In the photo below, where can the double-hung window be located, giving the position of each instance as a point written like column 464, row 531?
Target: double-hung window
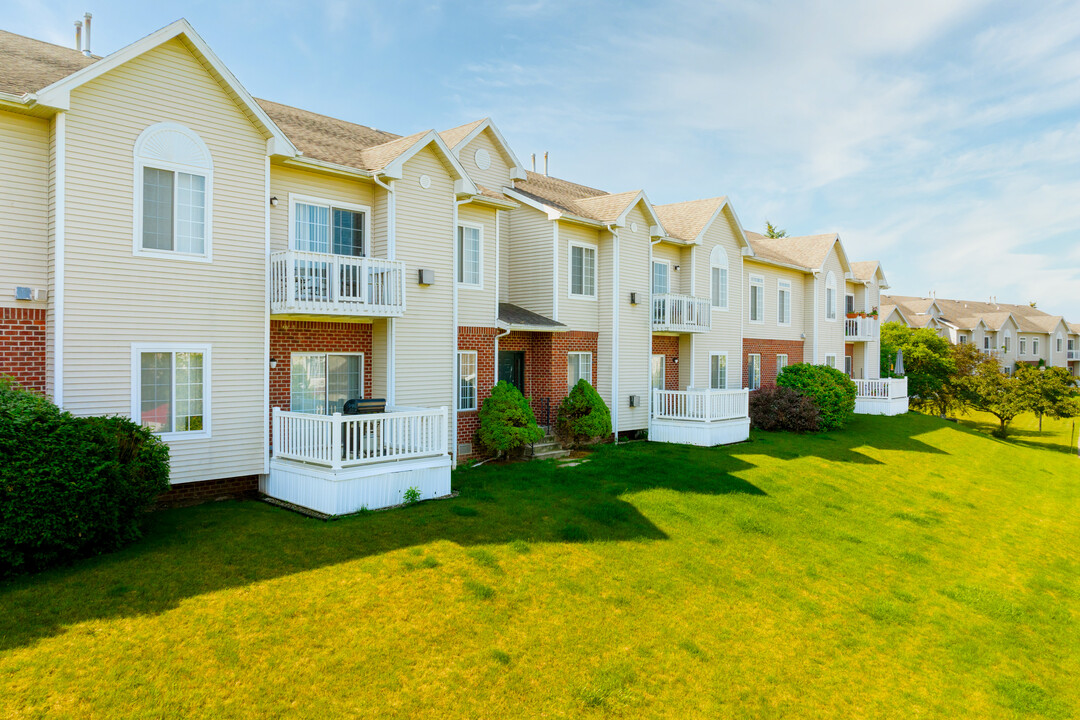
column 1058, row 343
column 320, row 383
column 718, row 268
column 757, row 299
column 753, row 371
column 661, row 281
column 467, row 380
column 781, row 363
column 718, row 371
column 963, row 339
column 1023, row 346
column 470, row 244
column 1034, row 346
column 173, row 193
column 578, row 367
column 783, row 302
column 830, row 297
column 830, row 360
column 582, row 271
column 171, row 386
column 328, row 227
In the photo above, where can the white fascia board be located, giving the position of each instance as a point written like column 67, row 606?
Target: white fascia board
column 310, row 163
column 504, row 146
column 59, row 93
column 642, row 197
column 551, row 212
column 395, row 169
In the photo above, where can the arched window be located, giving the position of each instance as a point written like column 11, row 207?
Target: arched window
column 830, row 296
column 173, row 192
column 718, row 273
column 1059, row 345
column 1008, row 341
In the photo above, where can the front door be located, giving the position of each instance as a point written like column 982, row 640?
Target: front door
column 512, row 368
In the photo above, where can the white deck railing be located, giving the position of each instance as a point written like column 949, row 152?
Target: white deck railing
column 1072, row 354
column 681, row 313
column 310, row 282
column 881, row 389
column 701, row 405
column 338, row 441
column 860, row 328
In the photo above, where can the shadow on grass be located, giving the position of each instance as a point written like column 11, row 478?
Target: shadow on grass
column 848, row 445
column 193, row 551
column 1022, row 437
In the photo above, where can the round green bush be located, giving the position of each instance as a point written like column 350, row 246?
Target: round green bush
column 70, row 486
column 584, row 417
column 781, row 408
column 507, row 422
column 831, row 390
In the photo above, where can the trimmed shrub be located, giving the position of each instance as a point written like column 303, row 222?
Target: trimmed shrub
column 831, row 390
column 507, row 422
column 71, row 487
column 781, row 408
column 584, row 417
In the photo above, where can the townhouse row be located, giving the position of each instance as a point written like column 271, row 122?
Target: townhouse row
column 1011, row 333
column 318, row 308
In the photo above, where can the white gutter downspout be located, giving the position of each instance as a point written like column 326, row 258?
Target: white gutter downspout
column 555, row 280
column 60, row 211
column 266, row 307
column 498, row 279
column 391, row 251
column 615, row 332
column 648, row 404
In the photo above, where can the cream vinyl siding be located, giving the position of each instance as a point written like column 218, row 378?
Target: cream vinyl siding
column 635, row 322
column 578, row 313
column 322, row 186
column 476, row 306
column 380, row 217
column 24, row 204
column 605, row 282
column 505, row 248
column 50, row 268
column 531, row 262
column 673, row 255
column 495, row 177
column 831, row 340
column 873, row 348
column 426, row 339
column 380, row 351
column 114, row 299
column 726, row 332
column 770, row 329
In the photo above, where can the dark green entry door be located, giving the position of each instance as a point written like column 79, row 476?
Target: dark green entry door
column 512, row 368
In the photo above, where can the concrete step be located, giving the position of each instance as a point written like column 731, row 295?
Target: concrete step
column 550, row 455
column 543, row 447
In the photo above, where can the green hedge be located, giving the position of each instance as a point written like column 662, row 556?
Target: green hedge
column 507, row 422
column 831, row 390
column 584, row 417
column 70, row 487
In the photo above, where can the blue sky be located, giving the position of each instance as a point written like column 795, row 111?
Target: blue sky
column 940, row 137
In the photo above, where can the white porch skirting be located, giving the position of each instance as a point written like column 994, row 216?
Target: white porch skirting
column 695, row 432
column 881, row 406
column 374, row 486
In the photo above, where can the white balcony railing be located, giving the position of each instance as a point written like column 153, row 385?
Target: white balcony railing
column 338, row 441
column 1072, row 355
column 701, row 405
column 881, row 389
column 680, row 313
column 860, row 328
column 992, row 352
column 320, row 283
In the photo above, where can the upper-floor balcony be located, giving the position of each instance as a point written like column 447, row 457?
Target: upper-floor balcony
column 1071, row 355
column 860, row 329
column 311, row 283
column 680, row 313
column 992, row 352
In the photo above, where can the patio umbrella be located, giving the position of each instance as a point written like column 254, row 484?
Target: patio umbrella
column 899, row 369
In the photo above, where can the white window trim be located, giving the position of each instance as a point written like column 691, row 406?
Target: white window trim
column 589, row 379
column 750, row 375
column 324, row 355
column 782, row 285
column 596, row 270
column 652, row 277
column 756, row 281
column 726, row 307
column 1034, row 346
column 852, row 296
column 206, row 172
column 480, row 251
column 325, row 202
column 833, row 356
column 137, row 349
column 786, row 362
column 831, row 276
column 727, row 370
column 476, row 395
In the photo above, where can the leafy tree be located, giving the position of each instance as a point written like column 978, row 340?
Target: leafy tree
column 928, row 364
column 1049, row 391
column 771, row 231
column 992, row 391
column 584, row 417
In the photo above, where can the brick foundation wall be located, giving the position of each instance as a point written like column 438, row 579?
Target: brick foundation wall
column 769, row 349
column 482, row 340
column 194, row 493
column 289, row 336
column 668, row 346
column 546, row 368
column 22, row 346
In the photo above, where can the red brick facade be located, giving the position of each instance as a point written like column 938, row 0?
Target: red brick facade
column 546, row 370
column 22, row 346
column 194, row 493
column 482, row 340
column 668, row 346
column 289, row 336
column 769, row 349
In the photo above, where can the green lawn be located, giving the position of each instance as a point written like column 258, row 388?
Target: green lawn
column 905, row 568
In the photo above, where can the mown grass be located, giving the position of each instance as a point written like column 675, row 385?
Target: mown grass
column 907, row 567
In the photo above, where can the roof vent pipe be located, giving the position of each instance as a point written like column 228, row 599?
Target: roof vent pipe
column 545, row 163
column 86, row 21
column 534, row 162
column 78, row 35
